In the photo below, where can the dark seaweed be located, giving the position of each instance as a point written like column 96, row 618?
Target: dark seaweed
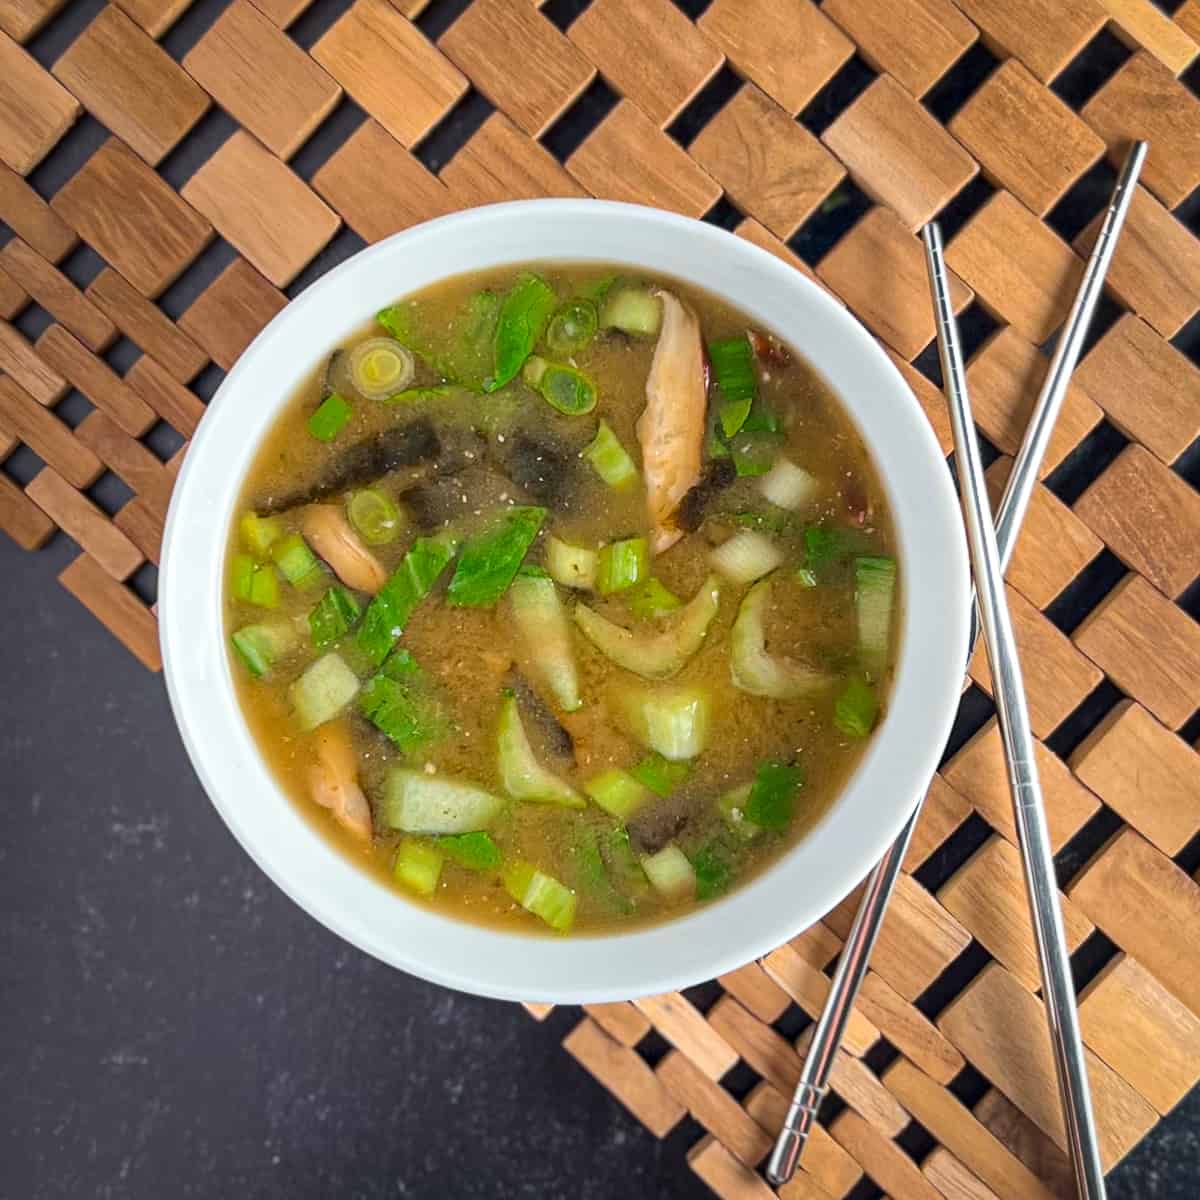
column 539, row 468
column 364, row 462
column 536, row 712
column 654, row 825
column 434, row 502
column 718, row 475
column 332, row 369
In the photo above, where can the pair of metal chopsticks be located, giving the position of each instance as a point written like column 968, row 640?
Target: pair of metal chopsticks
column 990, row 555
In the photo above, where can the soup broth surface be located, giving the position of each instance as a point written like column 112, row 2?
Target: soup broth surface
column 458, row 672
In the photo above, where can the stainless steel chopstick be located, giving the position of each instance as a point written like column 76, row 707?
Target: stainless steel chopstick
column 1033, row 834
column 856, row 954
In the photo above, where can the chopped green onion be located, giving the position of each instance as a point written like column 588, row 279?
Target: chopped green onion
column 468, row 358
column 260, row 647
column 855, row 710
column 333, row 617
column 620, row 565
column 806, row 578
column 521, row 775
column 787, row 486
column 659, row 775
column 773, row 795
column 753, row 453
column 617, row 792
column 375, row 516
column 566, row 390
column 475, row 851
column 670, row 873
column 258, row 533
column 572, row 326
column 523, row 316
column 651, row 599
column 540, row 894
column 746, row 556
column 733, row 369
column 330, row 417
column 874, row 591
column 407, row 586
column 610, row 458
column 672, row 720
column 414, row 802
column 712, row 870
column 542, row 623
column 572, row 566
column 632, row 308
column 732, row 807
column 417, row 866
column 264, row 587
column 241, row 575
column 380, row 367
column 299, row 565
column 490, row 560
column 322, row 691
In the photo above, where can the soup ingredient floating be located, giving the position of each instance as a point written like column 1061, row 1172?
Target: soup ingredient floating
column 563, row 598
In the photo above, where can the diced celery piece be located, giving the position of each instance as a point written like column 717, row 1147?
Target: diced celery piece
column 659, row 775
column 300, row 566
column 264, row 586
column 241, row 575
column 541, row 894
column 874, row 591
column 670, row 873
column 620, row 565
column 631, row 308
column 257, row 533
column 522, row 776
column 773, row 795
column 418, row 866
column 418, row 803
column 572, row 566
column 610, row 459
column 672, row 720
column 732, row 807
column 855, row 710
column 617, row 792
column 260, row 647
column 322, row 691
column 475, row 851
column 330, row 418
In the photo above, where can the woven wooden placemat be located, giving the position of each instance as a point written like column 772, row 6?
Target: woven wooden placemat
column 170, row 173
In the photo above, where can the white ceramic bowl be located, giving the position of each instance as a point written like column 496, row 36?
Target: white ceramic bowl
column 802, row 885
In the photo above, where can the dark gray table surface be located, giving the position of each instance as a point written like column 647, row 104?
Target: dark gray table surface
column 174, row 1026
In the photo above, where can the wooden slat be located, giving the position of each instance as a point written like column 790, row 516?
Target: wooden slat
column 81, row 520
column 725, row 1175
column 284, row 12
column 898, row 153
column 626, row 1076
column 620, row 1021
column 21, row 519
column 377, row 186
column 142, row 520
column 1025, row 138
column 122, row 454
column 262, row 78
column 712, row 1107
column 908, row 1029
column 649, row 51
column 21, row 19
column 1156, row 267
column 1019, row 268
column 1142, row 23
column 95, row 379
column 627, row 157
column 791, row 51
column 1148, row 517
column 943, row 811
column 178, row 406
column 757, row 991
column 145, row 325
column 762, row 1048
column 227, row 316
column 770, row 165
column 391, row 69
column 1145, row 100
column 952, row 1179
column 154, row 16
column 539, row 1012
column 1187, row 17
column 977, row 772
column 262, row 207
column 57, row 294
column 917, row 942
column 502, row 163
column 21, row 363
column 1148, row 646
column 1142, row 1032
column 31, row 218
column 817, row 945
column 1147, row 388
column 46, row 435
column 878, row 268
column 1005, row 376
column 1045, row 39
column 131, row 218
column 987, row 894
column 1002, row 1030
column 810, row 989
column 115, row 607
column 35, row 110
column 1149, row 907
column 940, row 1112
column 1057, row 675
column 677, row 1020
column 131, row 85
column 882, row 1159
column 860, row 1088
column 13, row 297
column 1021, row 1137
column 1146, row 774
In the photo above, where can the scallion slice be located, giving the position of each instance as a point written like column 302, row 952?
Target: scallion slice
column 572, row 566
column 671, row 874
column 617, row 792
column 375, row 516
column 660, row 775
column 772, row 796
column 298, row 564
column 260, row 647
column 380, row 367
column 258, row 533
column 567, row 390
column 330, row 418
column 572, row 326
column 855, row 710
column 418, row 866
column 651, row 599
column 610, row 458
column 620, row 565
column 540, row 894
column 874, row 593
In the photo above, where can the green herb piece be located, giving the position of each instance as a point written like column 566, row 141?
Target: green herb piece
column 400, row 710
column 418, row 866
column 258, row 533
column 659, row 774
column 651, row 599
column 610, row 458
column 773, row 795
column 490, row 560
column 298, row 564
column 260, row 647
column 330, row 417
column 475, row 851
column 333, row 617
column 467, row 359
column 754, row 452
column 375, row 516
column 523, row 317
column 855, row 710
column 733, row 369
column 573, row 325
column 713, row 871
column 407, row 586
column 761, row 419
column 620, row 565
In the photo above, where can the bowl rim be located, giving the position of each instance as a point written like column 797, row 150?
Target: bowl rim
column 800, row 886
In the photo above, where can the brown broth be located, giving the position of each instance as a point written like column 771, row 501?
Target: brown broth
column 468, row 652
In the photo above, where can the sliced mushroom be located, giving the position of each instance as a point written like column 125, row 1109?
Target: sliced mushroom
column 328, row 531
column 333, row 780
